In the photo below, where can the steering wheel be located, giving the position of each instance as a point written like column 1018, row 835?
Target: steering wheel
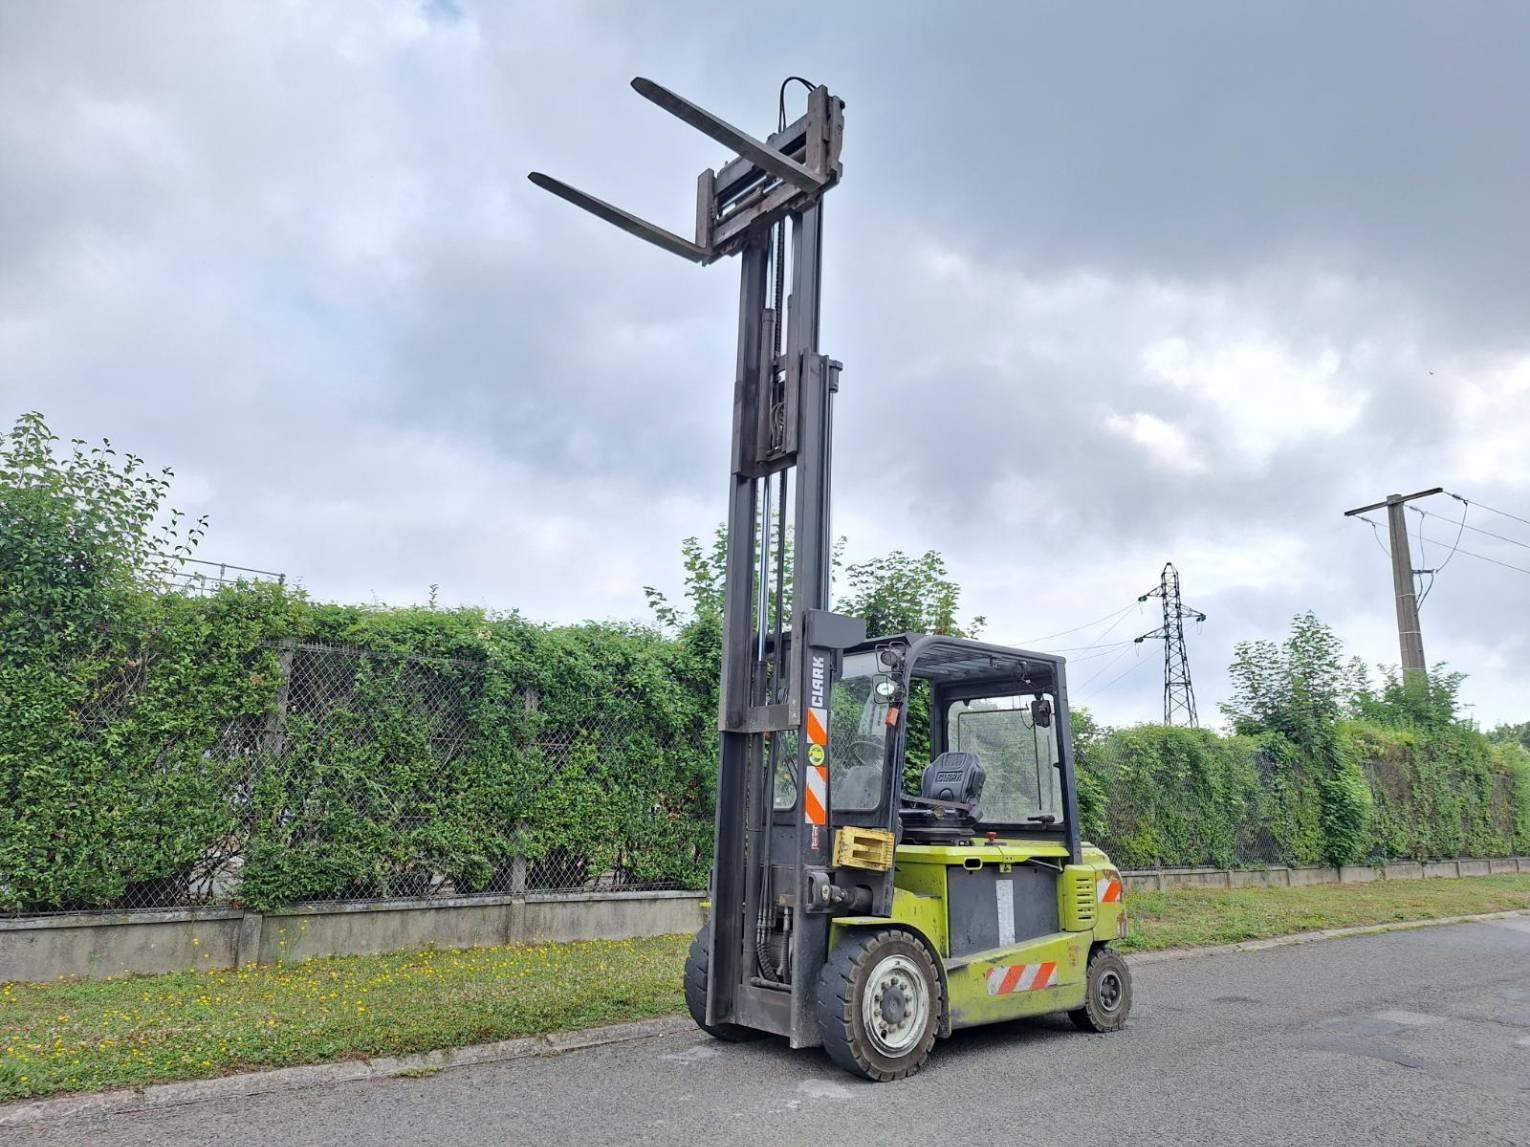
column 868, row 751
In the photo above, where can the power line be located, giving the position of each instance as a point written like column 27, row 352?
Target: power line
column 1076, row 628
column 1481, row 557
column 1454, row 546
column 1127, row 671
column 1072, row 661
column 1084, row 648
column 1489, row 509
column 1474, row 529
column 1103, row 669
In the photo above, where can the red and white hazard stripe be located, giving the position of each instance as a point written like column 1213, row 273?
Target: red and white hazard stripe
column 815, row 798
column 1107, row 890
column 1021, row 978
column 815, row 801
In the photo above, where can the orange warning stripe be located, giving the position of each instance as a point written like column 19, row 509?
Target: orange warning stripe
column 1108, row 890
column 1021, row 978
column 815, row 798
column 817, row 733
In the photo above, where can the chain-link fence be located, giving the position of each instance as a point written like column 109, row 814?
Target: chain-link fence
column 367, row 775
column 204, row 770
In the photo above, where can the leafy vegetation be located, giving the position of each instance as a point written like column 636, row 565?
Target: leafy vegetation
column 143, row 742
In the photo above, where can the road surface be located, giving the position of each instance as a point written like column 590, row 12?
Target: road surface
column 1411, row 1037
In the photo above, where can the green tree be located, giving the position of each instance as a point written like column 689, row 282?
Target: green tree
column 1507, row 734
column 1294, row 694
column 901, row 593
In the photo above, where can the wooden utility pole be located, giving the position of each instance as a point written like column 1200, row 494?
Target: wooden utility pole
column 1409, row 635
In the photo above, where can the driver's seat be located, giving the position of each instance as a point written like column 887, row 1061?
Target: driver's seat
column 955, row 777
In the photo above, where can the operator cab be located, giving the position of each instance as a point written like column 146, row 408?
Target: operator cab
column 994, row 723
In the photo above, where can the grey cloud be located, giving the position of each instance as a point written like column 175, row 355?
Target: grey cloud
column 294, row 253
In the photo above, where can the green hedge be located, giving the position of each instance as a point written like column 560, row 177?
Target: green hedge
column 1167, row 796
column 137, row 757
column 425, row 745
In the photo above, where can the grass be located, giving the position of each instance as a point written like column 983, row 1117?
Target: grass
column 83, row 1035
column 1195, row 917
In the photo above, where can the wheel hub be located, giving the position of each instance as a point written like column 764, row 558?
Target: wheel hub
column 1110, row 991
column 895, row 1007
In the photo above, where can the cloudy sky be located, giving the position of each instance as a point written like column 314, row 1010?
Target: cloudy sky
column 1113, row 285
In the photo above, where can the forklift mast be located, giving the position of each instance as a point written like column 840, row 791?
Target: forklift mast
column 773, row 891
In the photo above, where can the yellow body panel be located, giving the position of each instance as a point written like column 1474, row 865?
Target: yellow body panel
column 985, row 988
column 1032, row 977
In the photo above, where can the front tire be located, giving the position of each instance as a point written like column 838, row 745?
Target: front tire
column 879, row 1004
column 1107, row 994
column 696, row 967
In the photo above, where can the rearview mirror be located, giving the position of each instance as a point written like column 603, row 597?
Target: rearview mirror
column 1041, row 713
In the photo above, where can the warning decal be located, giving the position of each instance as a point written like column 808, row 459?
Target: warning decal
column 815, row 798
column 817, row 727
column 1021, row 978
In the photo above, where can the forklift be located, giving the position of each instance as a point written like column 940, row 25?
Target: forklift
column 862, row 901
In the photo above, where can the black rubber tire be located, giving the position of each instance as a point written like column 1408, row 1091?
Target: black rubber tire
column 841, row 988
column 1107, row 994
column 696, row 962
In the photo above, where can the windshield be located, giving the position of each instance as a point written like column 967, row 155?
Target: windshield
column 857, row 735
column 857, row 741
column 1020, row 758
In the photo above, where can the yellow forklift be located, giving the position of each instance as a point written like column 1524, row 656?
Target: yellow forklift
column 860, row 901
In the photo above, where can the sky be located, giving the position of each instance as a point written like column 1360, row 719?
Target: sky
column 1113, row 284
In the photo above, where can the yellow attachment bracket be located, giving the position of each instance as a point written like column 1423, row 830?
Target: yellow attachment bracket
column 870, row 848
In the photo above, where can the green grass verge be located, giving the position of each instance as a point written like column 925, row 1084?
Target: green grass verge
column 1195, row 917
column 82, row 1035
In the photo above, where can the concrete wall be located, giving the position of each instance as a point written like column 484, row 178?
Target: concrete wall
column 100, row 944
column 1158, row 878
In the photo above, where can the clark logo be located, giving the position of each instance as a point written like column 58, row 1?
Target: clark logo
column 818, row 681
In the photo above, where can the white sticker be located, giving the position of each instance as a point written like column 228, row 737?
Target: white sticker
column 1004, row 894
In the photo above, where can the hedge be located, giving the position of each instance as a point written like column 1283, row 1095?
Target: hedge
column 421, row 746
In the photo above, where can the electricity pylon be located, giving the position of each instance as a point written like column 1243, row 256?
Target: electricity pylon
column 1178, row 693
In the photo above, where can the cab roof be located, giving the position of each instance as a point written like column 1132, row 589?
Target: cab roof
column 951, row 660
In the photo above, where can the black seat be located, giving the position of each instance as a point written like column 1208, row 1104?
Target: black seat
column 955, row 777
column 950, row 779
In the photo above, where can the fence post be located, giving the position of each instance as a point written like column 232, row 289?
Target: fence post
column 532, row 700
column 518, row 862
column 274, row 736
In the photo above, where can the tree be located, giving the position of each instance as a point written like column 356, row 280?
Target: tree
column 1294, row 694
column 900, row 593
column 1297, row 688
column 1511, row 734
column 81, row 536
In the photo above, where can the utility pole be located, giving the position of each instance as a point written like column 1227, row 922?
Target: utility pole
column 1178, row 693
column 1409, row 636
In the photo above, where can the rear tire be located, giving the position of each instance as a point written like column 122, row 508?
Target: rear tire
column 1107, row 994
column 696, row 966
column 879, row 1004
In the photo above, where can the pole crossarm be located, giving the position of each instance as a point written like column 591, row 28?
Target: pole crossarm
column 1393, row 500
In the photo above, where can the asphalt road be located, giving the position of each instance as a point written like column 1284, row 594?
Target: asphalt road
column 1412, row 1037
